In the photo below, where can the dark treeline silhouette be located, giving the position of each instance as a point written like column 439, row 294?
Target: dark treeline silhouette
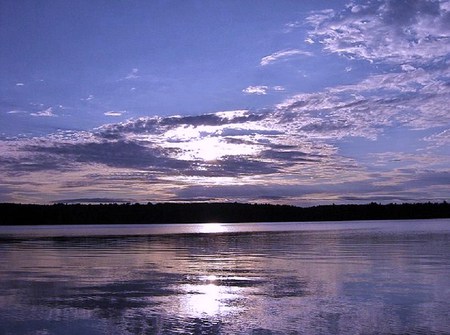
column 22, row 214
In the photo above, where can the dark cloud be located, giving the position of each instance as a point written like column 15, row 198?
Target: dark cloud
column 248, row 132
column 407, row 12
column 253, row 192
column 92, row 200
column 378, row 198
column 147, row 177
column 211, row 119
column 289, row 156
column 132, row 155
column 232, row 167
column 196, row 199
column 115, row 154
column 198, row 120
column 326, row 126
column 5, row 193
column 339, row 190
column 31, row 163
column 236, row 165
column 137, row 126
column 229, row 192
column 122, row 146
column 158, row 125
column 430, row 178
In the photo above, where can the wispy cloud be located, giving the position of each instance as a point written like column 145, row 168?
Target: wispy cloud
column 16, row 112
column 258, row 90
column 283, row 55
column 114, row 113
column 262, row 89
column 441, row 139
column 133, row 74
column 90, row 97
column 291, row 26
column 413, row 100
column 44, row 113
column 394, row 32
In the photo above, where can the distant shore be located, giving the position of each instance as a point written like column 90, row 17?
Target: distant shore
column 25, row 214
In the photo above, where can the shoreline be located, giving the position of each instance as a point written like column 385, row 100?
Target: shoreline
column 173, row 213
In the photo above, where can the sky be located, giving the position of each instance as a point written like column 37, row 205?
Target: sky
column 286, row 102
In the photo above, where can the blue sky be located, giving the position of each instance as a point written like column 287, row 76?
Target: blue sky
column 299, row 102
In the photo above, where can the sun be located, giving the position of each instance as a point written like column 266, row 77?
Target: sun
column 209, row 149
column 205, row 143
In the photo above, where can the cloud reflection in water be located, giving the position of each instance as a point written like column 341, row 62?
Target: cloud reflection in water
column 325, row 281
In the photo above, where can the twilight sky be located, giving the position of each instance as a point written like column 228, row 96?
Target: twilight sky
column 296, row 102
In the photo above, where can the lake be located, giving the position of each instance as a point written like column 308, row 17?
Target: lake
column 371, row 277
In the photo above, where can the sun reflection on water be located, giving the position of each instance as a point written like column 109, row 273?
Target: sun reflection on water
column 208, row 298
column 204, row 299
column 212, row 228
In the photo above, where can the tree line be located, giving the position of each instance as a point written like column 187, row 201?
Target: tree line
column 30, row 214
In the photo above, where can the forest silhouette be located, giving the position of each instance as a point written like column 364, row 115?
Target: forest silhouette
column 31, row 214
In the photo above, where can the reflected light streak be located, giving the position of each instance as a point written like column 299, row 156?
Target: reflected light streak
column 205, row 299
column 209, row 298
column 212, row 228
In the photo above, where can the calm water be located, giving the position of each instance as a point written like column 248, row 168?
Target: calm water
column 290, row 278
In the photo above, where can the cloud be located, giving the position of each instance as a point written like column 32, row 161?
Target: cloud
column 289, row 154
column 133, row 74
column 15, row 112
column 291, row 26
column 112, row 153
column 335, row 192
column 394, row 32
column 283, row 55
column 20, row 84
column 306, row 148
column 114, row 113
column 156, row 126
column 44, row 113
column 230, row 143
column 413, row 99
column 5, row 193
column 262, row 89
column 32, row 162
column 407, row 67
column 258, row 90
column 441, row 139
column 92, row 201
column 89, row 98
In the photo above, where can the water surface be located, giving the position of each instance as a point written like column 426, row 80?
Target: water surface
column 374, row 277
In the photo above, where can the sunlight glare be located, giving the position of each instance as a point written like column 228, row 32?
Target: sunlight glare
column 212, row 228
column 211, row 278
column 205, row 300
column 208, row 297
column 203, row 143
